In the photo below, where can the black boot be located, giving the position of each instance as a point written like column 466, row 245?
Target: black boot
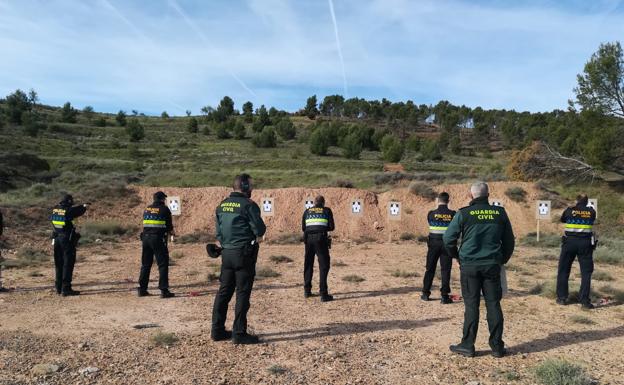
column 142, row 292
column 307, row 294
column 424, row 297
column 464, row 351
column 221, row 336
column 446, row 300
column 69, row 292
column 245, row 339
column 166, row 294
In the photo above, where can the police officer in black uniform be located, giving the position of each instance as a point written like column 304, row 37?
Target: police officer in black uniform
column 157, row 225
column 439, row 220
column 65, row 240
column 317, row 221
column 578, row 241
column 239, row 227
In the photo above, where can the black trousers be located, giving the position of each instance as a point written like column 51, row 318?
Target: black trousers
column 64, row 261
column 238, row 270
column 474, row 281
column 436, row 250
column 316, row 244
column 154, row 245
column 571, row 248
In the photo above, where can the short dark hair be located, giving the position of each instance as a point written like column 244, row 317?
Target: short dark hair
column 319, row 201
column 241, row 182
column 582, row 199
column 444, row 197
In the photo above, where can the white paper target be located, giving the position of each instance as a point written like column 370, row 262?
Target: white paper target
column 309, row 203
column 593, row 203
column 267, row 207
column 394, row 210
column 543, row 209
column 497, row 203
column 175, row 205
column 356, row 207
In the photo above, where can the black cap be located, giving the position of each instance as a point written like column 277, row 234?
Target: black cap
column 67, row 198
column 160, row 196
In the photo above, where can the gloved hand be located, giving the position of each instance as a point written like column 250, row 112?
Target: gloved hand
column 213, row 250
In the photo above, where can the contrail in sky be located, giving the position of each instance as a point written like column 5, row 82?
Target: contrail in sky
column 344, row 73
column 126, row 21
column 206, row 41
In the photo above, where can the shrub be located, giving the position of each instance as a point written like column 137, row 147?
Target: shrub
column 604, row 254
column 222, row 131
column 601, row 275
column 286, row 129
column 68, row 113
column 430, row 150
column 319, row 142
column 392, row 149
column 266, row 272
column 277, row 369
column 135, row 130
column 338, row 263
column 25, row 257
column 280, row 259
column 121, row 118
column 422, row 190
column 404, row 274
column 288, row 239
column 196, row 237
column 343, row 183
column 100, row 122
column 516, row 194
column 407, row 236
column 351, row 147
column 265, row 139
column 546, row 240
column 555, row 371
column 353, row 278
column 163, row 339
column 106, row 228
column 239, row 130
column 193, row 125
column 165, row 116
column 414, row 143
column 581, row 319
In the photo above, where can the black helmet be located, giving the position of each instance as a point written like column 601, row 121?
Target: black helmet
column 160, row 196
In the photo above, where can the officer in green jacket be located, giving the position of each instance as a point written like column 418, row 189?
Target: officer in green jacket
column 487, row 244
column 239, row 227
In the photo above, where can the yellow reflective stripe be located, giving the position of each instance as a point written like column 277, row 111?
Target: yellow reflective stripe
column 58, row 223
column 437, row 228
column 575, row 226
column 153, row 222
column 317, row 220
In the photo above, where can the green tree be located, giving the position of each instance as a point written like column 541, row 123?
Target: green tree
column 286, row 129
column 319, row 141
column 352, row 146
column 601, row 86
column 17, row 104
column 248, row 111
column 262, row 119
column 332, row 105
column 222, row 130
column 68, row 113
column 135, row 130
column 192, row 125
column 164, row 115
column 100, row 122
column 88, row 113
column 310, row 110
column 392, row 149
column 239, row 130
column 33, row 98
column 121, row 118
column 31, row 123
column 430, row 150
column 266, row 138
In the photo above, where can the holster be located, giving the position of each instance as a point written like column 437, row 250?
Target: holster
column 329, row 242
column 250, row 249
column 74, row 237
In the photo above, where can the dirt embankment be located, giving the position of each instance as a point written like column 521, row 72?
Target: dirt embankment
column 198, row 207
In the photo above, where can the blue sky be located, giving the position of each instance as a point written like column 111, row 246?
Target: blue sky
column 173, row 55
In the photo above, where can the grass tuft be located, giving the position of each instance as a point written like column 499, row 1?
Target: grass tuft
column 266, row 272
column 163, row 339
column 280, row 259
column 581, row 319
column 353, row 278
column 516, row 194
column 398, row 273
column 561, row 372
column 407, row 236
column 277, row 369
column 422, row 190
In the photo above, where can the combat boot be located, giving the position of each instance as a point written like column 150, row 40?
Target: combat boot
column 221, row 335
column 166, row 294
column 446, row 300
column 142, row 292
column 464, row 351
column 245, row 339
column 70, row 293
column 326, row 297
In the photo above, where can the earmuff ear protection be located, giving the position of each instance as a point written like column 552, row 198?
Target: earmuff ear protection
column 245, row 185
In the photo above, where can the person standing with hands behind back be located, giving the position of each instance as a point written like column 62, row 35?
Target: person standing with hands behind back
column 239, row 227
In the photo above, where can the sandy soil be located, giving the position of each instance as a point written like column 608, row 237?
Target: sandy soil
column 375, row 332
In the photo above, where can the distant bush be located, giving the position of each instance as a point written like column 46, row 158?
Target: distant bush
column 26, row 257
column 68, row 113
column 265, row 139
column 422, row 190
column 398, row 273
column 100, row 122
column 516, row 194
column 135, row 130
column 107, row 228
column 121, row 118
column 430, row 150
column 280, row 259
column 286, row 129
column 192, row 125
column 266, row 272
column 353, row 278
column 165, row 116
column 407, row 236
column 288, row 239
column 319, row 142
column 553, row 371
column 342, row 183
column 239, row 130
column 392, row 149
column 414, row 143
column 196, row 237
column 351, row 147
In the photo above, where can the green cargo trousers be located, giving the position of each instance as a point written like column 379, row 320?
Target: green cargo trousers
column 474, row 281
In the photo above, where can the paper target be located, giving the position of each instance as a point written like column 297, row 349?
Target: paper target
column 356, row 207
column 175, row 205
column 394, row 211
column 268, row 206
column 543, row 209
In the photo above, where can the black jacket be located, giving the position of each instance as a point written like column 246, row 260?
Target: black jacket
column 62, row 217
column 579, row 221
column 317, row 220
column 439, row 220
column 157, row 219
